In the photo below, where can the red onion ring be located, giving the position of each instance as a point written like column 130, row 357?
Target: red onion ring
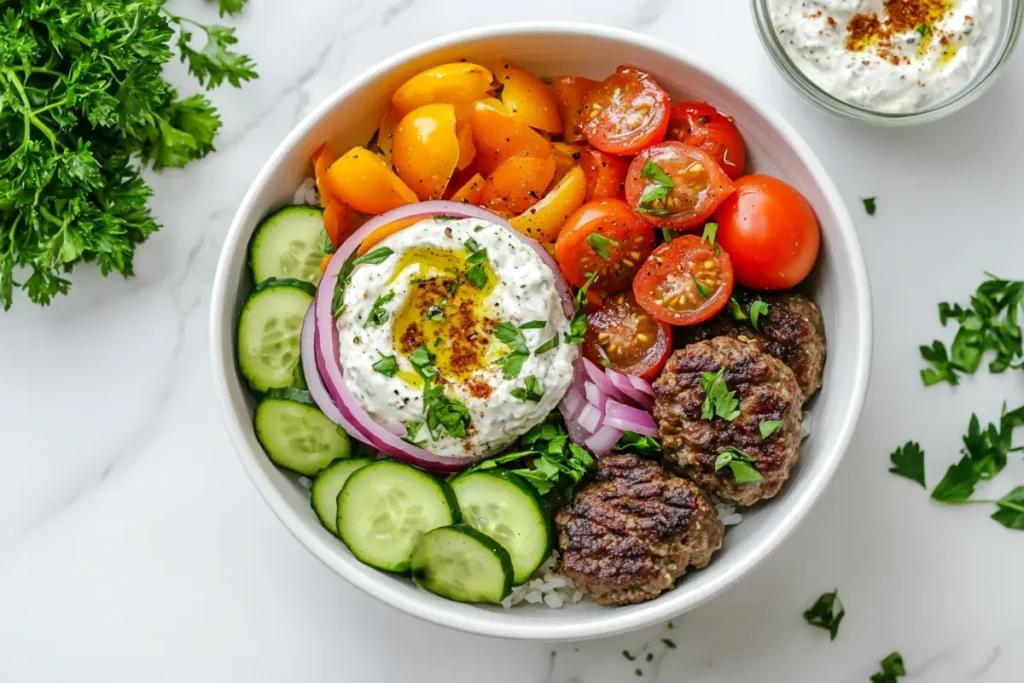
column 642, row 385
column 628, row 418
column 623, row 384
column 602, row 442
column 327, row 349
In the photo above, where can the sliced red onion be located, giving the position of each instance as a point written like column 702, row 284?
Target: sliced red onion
column 596, row 375
column 594, row 395
column 327, row 351
column 622, row 383
column 571, row 404
column 315, row 384
column 642, row 385
column 601, row 443
column 628, row 418
column 590, row 418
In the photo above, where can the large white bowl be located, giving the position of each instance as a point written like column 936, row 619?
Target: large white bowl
column 839, row 285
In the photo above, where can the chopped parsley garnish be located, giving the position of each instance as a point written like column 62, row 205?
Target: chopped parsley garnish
column 435, row 313
column 924, row 30
column 627, row 655
column 512, row 336
column 479, row 228
column 631, row 442
column 423, row 362
column 472, row 246
column 702, row 288
column 869, row 205
column 655, row 193
column 757, row 309
column 578, row 326
column 532, row 391
column 741, row 465
column 769, row 427
column 668, row 643
column 892, row 668
column 735, row 310
column 908, row 461
column 599, row 243
column 378, row 315
column 443, row 414
column 378, row 255
column 324, row 243
column 476, row 274
column 387, row 366
column 533, row 325
column 719, row 401
column 666, row 234
column 412, row 428
column 345, row 274
column 710, row 233
column 826, row 612
column 989, row 323
column 547, row 346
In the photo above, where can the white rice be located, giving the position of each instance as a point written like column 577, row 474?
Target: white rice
column 547, row 586
column 307, row 193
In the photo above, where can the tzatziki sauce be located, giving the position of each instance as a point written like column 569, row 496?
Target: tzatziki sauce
column 888, row 56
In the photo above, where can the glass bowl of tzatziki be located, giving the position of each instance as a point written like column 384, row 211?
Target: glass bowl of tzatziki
column 890, row 62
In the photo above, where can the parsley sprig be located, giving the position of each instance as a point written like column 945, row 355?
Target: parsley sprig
column 578, row 326
column 719, row 401
column 827, row 612
column 740, row 464
column 652, row 201
column 908, row 461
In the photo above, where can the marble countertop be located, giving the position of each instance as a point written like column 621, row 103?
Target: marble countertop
column 134, row 548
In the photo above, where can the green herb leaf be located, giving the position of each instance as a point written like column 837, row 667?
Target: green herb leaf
column 547, row 346
column 532, row 391
column 216, row 62
column 599, row 243
column 740, row 464
column 423, row 362
column 324, row 243
column 666, row 234
column 668, row 643
column 719, row 401
column 702, row 288
column 924, row 30
column 435, row 313
column 735, row 310
column 412, row 428
column 869, row 205
column 757, row 309
column 769, row 427
column 631, row 442
column 533, row 325
column 375, row 257
column 908, row 461
column 444, row 415
column 378, row 314
column 826, row 612
column 710, row 233
column 656, row 192
column 984, row 454
column 1011, row 509
column 472, row 246
column 510, row 335
column 578, row 326
column 387, row 366
column 651, row 171
column 892, row 668
column 344, row 277
column 479, row 228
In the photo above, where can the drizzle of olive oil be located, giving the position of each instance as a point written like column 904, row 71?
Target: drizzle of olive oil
column 948, row 54
column 439, row 268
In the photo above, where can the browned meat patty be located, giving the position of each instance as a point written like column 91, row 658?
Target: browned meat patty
column 792, row 332
column 628, row 534
column 766, row 389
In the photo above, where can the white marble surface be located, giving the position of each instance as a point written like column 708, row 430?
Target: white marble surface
column 133, row 548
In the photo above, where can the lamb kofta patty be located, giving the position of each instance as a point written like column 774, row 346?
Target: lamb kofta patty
column 792, row 331
column 629, row 533
column 766, row 391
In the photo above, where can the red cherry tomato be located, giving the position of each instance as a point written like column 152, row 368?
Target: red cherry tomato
column 626, row 112
column 770, row 232
column 684, row 282
column 700, row 125
column 623, row 336
column 675, row 185
column 606, row 174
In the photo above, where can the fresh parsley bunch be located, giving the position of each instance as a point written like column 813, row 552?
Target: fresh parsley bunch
column 83, row 107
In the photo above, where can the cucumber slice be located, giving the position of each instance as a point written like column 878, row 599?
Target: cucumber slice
column 324, row 492
column 296, row 435
column 460, row 563
column 506, row 508
column 385, row 507
column 268, row 335
column 286, row 245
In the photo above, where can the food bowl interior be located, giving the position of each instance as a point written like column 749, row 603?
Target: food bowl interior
column 839, row 287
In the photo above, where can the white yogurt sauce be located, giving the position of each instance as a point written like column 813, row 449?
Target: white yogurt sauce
column 523, row 291
column 903, row 72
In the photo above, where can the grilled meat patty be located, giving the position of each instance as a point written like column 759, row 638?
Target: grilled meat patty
column 767, row 390
column 792, row 331
column 629, row 533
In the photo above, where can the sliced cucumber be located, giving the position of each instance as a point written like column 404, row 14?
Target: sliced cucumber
column 296, row 435
column 286, row 245
column 324, row 492
column 506, row 508
column 268, row 334
column 385, row 507
column 460, row 563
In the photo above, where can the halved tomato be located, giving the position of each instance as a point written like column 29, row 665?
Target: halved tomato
column 623, row 336
column 426, row 149
column 517, row 184
column 364, row 181
column 336, row 223
column 603, row 237
column 566, row 156
column 386, row 134
column 455, row 83
column 698, row 124
column 676, row 185
column 499, row 137
column 469, row 192
column 543, row 220
column 626, row 112
column 685, row 281
column 571, row 94
column 322, row 159
column 606, row 174
column 527, row 97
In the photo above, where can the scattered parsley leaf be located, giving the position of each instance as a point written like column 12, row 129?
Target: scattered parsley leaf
column 480, row 228
column 1011, row 509
column 668, row 643
column 533, row 391
column 387, row 366
column 627, row 655
column 324, row 243
column 651, row 171
column 869, row 205
column 344, row 277
column 435, row 313
column 702, row 288
column 984, row 454
column 631, row 442
column 476, row 274
column 578, row 326
column 908, row 461
column 769, row 427
column 599, row 243
column 412, row 428
column 510, row 335
column 547, row 346
column 472, row 246
column 656, row 192
column 710, row 234
column 757, row 309
column 892, row 668
column 719, row 401
column 741, row 465
column 378, row 315
column 533, row 325
column 735, row 310
column 423, row 362
column 826, row 612
column 375, row 257
column 445, row 414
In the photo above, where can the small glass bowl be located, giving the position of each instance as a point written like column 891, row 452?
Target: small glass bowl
column 1011, row 18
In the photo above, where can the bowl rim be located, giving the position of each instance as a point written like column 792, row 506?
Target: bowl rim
column 609, row 622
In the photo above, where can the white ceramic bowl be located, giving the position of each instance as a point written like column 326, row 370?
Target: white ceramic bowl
column 839, row 285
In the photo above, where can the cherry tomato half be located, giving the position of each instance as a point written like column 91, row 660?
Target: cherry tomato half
column 770, row 232
column 684, row 282
column 570, row 94
column 606, row 174
column 676, row 185
column 626, row 112
column 603, row 237
column 625, row 337
column 700, row 125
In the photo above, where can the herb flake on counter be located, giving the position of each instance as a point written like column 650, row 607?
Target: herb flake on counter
column 531, row 391
column 985, row 454
column 908, row 461
column 869, row 205
column 740, row 464
column 757, row 309
column 669, row 643
column 719, row 401
column 387, row 366
column 629, row 656
column 378, row 315
column 826, row 612
column 892, row 668
column 599, row 243
column 769, row 427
